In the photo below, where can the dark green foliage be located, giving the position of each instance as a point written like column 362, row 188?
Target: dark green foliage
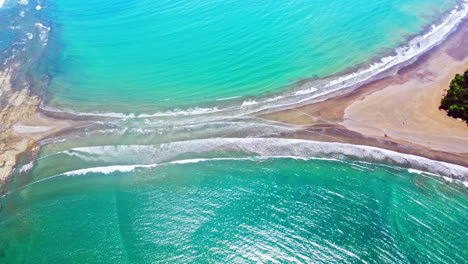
column 455, row 101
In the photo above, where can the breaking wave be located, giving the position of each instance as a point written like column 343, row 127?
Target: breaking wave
column 263, row 147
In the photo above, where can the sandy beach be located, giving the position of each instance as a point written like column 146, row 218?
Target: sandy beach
column 399, row 112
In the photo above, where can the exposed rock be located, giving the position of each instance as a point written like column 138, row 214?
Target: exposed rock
column 14, row 106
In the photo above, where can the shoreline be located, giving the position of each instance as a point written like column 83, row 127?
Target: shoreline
column 399, row 112
column 343, row 117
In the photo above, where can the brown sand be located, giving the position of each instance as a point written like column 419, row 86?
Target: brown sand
column 409, row 111
column 399, row 112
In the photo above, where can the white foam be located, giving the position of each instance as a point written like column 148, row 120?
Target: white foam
column 306, row 91
column 27, row 167
column 249, row 102
column 228, row 98
column 271, row 147
column 43, row 32
column 415, row 171
column 274, row 98
column 1, row 3
column 130, row 168
column 108, row 169
column 191, row 161
column 447, row 179
column 275, row 147
column 77, row 113
column 181, row 112
column 169, row 113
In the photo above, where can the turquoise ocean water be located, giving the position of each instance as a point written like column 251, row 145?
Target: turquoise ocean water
column 236, row 210
column 145, row 56
column 173, row 171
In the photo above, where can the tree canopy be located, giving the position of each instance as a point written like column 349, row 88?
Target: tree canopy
column 455, row 101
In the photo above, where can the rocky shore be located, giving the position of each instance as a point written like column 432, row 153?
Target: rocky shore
column 21, row 124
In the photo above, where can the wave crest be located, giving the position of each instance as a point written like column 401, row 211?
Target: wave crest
column 264, row 147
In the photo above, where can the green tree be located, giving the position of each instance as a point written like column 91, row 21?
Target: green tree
column 455, row 101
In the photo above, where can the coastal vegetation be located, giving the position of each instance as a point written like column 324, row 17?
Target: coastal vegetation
column 455, row 102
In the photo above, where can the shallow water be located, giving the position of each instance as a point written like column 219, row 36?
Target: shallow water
column 134, row 56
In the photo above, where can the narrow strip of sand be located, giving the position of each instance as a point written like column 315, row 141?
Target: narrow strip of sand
column 398, row 112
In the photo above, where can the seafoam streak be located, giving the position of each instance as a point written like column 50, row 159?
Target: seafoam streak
column 266, row 147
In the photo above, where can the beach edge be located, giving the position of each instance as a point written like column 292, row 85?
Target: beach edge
column 387, row 113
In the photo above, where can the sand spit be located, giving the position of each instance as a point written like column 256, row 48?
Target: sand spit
column 398, row 113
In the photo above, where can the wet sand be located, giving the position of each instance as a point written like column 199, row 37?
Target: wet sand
column 398, row 112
